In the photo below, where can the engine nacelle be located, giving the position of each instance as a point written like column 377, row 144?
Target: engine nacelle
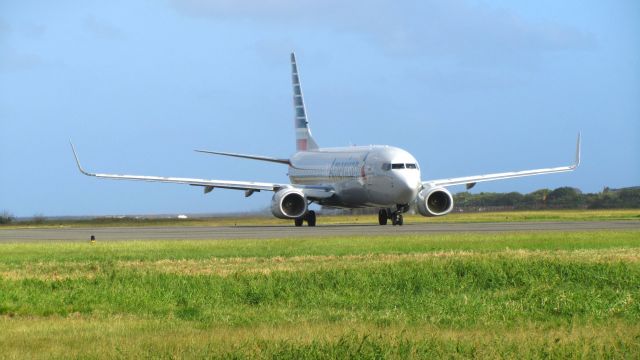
column 435, row 202
column 288, row 203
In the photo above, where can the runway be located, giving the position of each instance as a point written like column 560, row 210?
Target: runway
column 270, row 232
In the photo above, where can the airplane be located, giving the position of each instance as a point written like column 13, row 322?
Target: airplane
column 374, row 176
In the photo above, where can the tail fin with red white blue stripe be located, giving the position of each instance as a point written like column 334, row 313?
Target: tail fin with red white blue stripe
column 304, row 140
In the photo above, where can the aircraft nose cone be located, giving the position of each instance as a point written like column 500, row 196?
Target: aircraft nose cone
column 407, row 189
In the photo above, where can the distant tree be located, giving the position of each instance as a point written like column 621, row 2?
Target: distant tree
column 512, row 198
column 603, row 200
column 461, row 199
column 534, row 200
column 466, row 199
column 629, row 198
column 6, row 217
column 39, row 218
column 565, row 197
column 560, row 198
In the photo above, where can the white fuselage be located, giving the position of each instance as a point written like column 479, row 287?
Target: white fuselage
column 362, row 176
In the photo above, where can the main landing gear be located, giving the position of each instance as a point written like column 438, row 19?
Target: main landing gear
column 309, row 217
column 395, row 216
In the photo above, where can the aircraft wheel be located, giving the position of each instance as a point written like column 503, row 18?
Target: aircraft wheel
column 382, row 217
column 397, row 219
column 311, row 218
column 298, row 221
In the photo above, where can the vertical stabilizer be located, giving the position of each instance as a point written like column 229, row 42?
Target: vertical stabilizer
column 304, row 140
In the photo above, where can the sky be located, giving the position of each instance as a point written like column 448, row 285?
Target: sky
column 468, row 87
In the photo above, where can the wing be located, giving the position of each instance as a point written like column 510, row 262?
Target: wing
column 470, row 181
column 244, row 156
column 312, row 192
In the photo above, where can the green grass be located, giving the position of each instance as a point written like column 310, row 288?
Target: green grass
column 507, row 216
column 573, row 294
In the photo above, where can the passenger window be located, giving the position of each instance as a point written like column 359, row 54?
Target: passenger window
column 397, row 166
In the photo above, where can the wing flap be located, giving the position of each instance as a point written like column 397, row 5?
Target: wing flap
column 225, row 184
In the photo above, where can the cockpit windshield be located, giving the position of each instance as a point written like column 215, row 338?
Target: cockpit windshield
column 398, row 166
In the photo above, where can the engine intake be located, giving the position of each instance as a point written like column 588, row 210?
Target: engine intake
column 288, row 203
column 435, row 202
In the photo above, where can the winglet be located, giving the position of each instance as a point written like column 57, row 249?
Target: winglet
column 577, row 163
column 73, row 148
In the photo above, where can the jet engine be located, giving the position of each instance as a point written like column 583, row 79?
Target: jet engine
column 434, row 202
column 288, row 203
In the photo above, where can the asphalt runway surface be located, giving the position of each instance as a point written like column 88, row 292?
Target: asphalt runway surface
column 269, row 232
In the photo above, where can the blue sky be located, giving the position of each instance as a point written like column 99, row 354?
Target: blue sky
column 468, row 87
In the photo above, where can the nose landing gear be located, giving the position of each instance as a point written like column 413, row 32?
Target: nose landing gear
column 397, row 219
column 395, row 216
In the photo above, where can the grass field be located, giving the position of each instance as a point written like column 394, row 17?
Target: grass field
column 513, row 295
column 507, row 216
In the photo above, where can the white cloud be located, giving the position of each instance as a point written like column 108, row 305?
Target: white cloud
column 13, row 60
column 34, row 31
column 5, row 29
column 102, row 29
column 433, row 28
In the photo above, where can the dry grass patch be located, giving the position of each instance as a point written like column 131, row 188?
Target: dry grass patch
column 55, row 271
column 72, row 337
